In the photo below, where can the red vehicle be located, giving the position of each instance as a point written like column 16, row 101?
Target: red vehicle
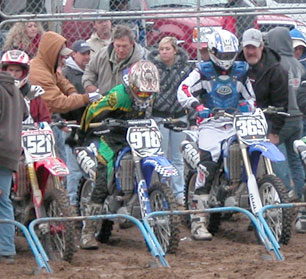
column 156, row 28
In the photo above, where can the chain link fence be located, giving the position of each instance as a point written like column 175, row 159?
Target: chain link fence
column 188, row 20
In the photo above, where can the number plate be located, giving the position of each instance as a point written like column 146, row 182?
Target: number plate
column 145, row 141
column 250, row 127
column 37, row 142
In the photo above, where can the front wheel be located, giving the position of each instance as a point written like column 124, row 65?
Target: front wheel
column 273, row 191
column 166, row 228
column 59, row 240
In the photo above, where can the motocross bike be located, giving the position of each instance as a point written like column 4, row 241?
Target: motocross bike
column 140, row 183
column 240, row 179
column 38, row 190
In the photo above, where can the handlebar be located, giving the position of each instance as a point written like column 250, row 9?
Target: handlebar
column 231, row 112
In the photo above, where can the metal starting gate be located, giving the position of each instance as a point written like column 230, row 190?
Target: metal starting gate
column 266, row 235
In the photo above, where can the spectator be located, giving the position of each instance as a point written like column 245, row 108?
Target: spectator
column 173, row 67
column 24, row 36
column 269, row 79
column 16, row 62
column 299, row 45
column 73, row 71
column 301, row 95
column 279, row 40
column 101, row 36
column 124, row 101
column 104, row 71
column 12, row 112
column 238, row 24
column 60, row 95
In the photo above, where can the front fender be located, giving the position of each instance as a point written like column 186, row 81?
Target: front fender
column 269, row 150
column 159, row 164
column 55, row 166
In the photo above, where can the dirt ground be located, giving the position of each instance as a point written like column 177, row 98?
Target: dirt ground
column 233, row 253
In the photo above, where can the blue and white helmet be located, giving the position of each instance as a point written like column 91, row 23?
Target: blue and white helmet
column 223, row 48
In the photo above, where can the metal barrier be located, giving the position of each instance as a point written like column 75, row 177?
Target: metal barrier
column 38, row 257
column 151, row 241
column 266, row 235
column 268, row 239
column 259, row 222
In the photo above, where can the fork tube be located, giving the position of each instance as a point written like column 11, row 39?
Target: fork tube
column 268, row 165
column 253, row 191
column 246, row 160
column 143, row 193
column 36, row 192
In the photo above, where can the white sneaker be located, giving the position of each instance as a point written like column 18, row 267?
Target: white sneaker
column 300, row 223
column 88, row 242
column 180, row 201
column 200, row 232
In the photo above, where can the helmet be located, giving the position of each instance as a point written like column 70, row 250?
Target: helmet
column 143, row 81
column 223, row 48
column 16, row 57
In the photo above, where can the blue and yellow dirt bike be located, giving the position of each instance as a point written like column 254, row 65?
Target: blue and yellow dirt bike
column 140, row 182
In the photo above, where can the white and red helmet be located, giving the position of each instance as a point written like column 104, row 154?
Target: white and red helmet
column 16, row 57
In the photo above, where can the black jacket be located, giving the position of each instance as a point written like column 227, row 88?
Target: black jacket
column 12, row 111
column 270, row 84
column 166, row 103
column 301, row 95
column 74, row 74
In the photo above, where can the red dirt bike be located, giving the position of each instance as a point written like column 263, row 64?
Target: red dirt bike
column 38, row 190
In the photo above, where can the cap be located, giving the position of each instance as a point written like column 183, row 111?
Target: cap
column 80, row 46
column 65, row 51
column 252, row 37
column 296, row 43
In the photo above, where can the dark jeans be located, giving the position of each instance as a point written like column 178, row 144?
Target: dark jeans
column 292, row 168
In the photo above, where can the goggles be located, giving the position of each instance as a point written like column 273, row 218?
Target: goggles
column 226, row 55
column 143, row 95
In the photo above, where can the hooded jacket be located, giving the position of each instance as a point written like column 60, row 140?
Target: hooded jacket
column 104, row 72
column 166, row 104
column 270, row 83
column 279, row 39
column 59, row 91
column 12, row 112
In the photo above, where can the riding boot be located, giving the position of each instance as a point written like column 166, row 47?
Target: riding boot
column 199, row 221
column 88, row 240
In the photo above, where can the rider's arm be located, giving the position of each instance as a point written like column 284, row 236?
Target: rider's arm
column 189, row 90
column 116, row 99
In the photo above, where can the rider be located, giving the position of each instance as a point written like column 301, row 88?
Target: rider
column 124, row 101
column 222, row 83
column 17, row 63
